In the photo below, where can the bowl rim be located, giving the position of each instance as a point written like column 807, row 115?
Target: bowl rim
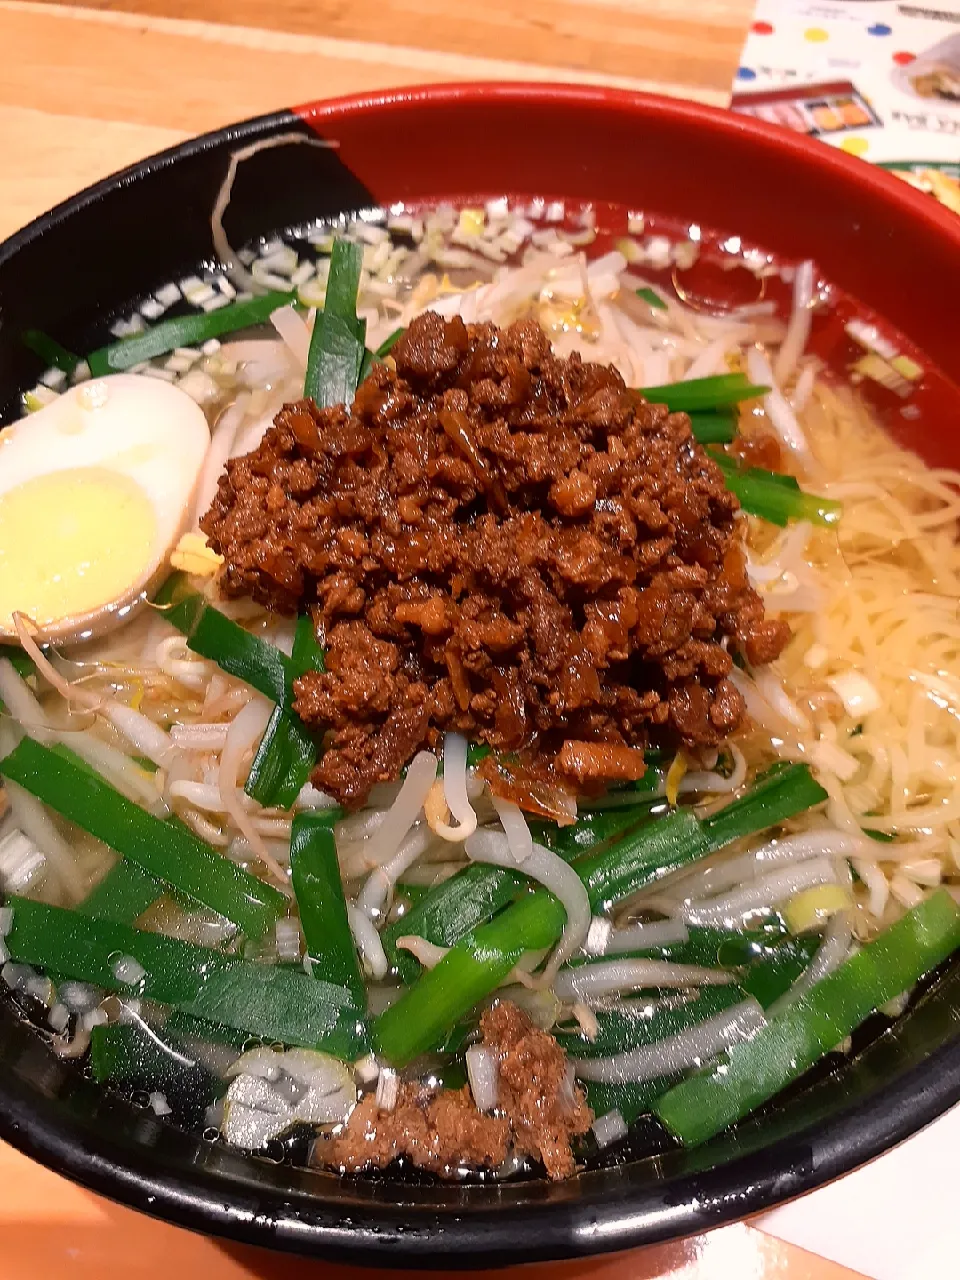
column 393, row 1235
column 398, row 1236
column 938, row 220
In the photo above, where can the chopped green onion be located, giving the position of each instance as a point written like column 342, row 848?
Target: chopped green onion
column 318, row 888
column 388, row 344
column 767, row 961
column 67, row 753
column 646, row 1022
column 183, row 331
column 704, row 393
column 721, row 948
column 631, row 1100
column 283, row 762
column 22, row 663
column 213, row 635
column 772, row 477
column 408, row 895
column 450, row 911
column 653, row 298
column 343, row 279
column 276, row 1002
column 816, row 1022
column 185, row 1027
column 450, row 1075
column 447, row 913
column 370, row 358
column 287, row 751
column 882, row 837
column 50, row 351
column 164, row 850
column 774, row 497
column 308, row 653
column 456, row 1039
column 478, row 963
column 774, row 969
column 713, row 428
column 591, row 829
column 770, row 974
column 784, row 791
column 330, row 816
column 337, row 343
column 644, row 855
column 631, row 795
column 135, row 1058
column 122, row 895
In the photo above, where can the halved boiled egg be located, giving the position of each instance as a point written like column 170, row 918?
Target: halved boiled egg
column 95, row 490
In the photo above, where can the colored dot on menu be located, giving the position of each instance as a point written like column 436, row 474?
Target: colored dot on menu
column 903, row 59
column 746, row 73
column 879, row 29
column 855, row 146
column 762, row 29
column 816, row 35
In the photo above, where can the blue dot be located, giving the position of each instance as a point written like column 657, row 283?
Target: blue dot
column 879, row 29
column 746, row 73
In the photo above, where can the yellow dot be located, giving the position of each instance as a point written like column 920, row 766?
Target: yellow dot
column 855, row 146
column 816, row 35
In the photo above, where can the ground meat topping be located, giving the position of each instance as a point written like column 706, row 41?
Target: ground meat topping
column 499, row 541
column 539, row 1110
column 537, row 1093
column 439, row 1131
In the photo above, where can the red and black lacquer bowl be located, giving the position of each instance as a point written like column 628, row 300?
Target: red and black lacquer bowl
column 896, row 251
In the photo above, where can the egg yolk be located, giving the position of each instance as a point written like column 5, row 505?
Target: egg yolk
column 72, row 542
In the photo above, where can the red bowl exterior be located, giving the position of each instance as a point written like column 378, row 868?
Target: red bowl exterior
column 895, row 250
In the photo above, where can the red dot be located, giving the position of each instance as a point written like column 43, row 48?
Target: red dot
column 902, row 59
column 762, row 29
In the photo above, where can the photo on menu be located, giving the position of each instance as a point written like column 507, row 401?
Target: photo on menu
column 876, row 79
column 814, row 109
column 934, row 75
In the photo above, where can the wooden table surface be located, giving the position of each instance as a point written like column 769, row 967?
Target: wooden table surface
column 85, row 91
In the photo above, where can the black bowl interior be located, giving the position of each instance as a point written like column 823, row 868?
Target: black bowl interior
column 69, row 274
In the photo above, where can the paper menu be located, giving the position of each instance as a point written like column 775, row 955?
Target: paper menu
column 876, row 78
